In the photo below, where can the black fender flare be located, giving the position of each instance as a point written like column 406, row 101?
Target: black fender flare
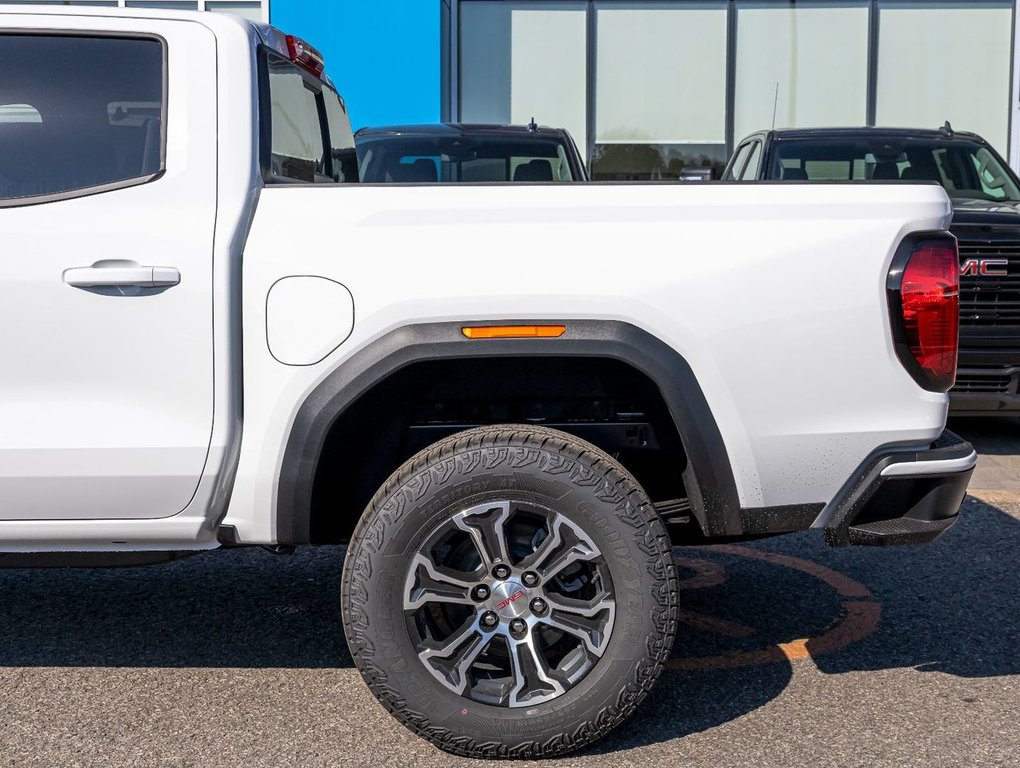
column 708, row 475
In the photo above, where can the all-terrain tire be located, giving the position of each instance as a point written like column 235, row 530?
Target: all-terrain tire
column 556, row 471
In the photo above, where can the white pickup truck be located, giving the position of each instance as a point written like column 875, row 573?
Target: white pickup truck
column 511, row 400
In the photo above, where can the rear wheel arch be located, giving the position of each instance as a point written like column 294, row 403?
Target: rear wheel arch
column 707, row 476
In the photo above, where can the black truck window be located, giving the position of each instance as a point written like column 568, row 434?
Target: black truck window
column 965, row 167
column 424, row 159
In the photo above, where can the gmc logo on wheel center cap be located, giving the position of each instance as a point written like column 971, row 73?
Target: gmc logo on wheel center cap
column 984, row 267
column 515, row 596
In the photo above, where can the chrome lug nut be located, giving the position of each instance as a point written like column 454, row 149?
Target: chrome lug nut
column 501, row 571
column 489, row 619
column 530, row 579
column 538, row 605
column 479, row 593
column 518, row 628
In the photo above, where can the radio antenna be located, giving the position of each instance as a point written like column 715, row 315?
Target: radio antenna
column 775, row 106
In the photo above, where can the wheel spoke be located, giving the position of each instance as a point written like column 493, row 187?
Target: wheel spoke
column 533, row 682
column 590, row 621
column 485, row 524
column 450, row 659
column 566, row 544
column 429, row 583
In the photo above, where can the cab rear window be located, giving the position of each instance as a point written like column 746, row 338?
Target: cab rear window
column 421, row 159
column 310, row 137
column 78, row 112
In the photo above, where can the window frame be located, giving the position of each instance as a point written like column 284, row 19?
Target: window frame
column 736, row 170
column 757, row 146
column 98, row 189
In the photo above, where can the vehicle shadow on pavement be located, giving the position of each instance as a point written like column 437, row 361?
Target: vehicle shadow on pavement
column 691, row 702
column 949, row 607
column 235, row 608
column 749, row 613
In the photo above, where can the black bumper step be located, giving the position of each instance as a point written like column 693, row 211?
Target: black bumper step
column 874, row 509
column 903, row 530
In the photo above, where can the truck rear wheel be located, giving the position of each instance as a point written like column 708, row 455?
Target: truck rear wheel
column 510, row 592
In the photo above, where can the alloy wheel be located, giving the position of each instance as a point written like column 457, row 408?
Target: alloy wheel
column 509, row 603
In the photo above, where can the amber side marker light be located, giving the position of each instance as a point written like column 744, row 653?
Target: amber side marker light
column 513, row 331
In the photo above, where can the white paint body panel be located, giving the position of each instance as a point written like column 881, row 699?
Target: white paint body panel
column 774, row 294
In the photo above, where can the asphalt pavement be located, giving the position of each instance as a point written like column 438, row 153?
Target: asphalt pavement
column 790, row 654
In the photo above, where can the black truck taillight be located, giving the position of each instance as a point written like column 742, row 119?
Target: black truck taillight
column 924, row 304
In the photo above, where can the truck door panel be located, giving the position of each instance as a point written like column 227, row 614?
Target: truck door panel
column 107, row 207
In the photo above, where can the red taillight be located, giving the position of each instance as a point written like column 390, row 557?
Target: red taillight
column 929, row 298
column 305, row 56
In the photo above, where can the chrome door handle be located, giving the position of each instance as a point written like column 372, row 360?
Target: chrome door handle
column 121, row 274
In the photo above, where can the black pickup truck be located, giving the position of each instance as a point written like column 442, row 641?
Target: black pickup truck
column 986, row 222
column 462, row 152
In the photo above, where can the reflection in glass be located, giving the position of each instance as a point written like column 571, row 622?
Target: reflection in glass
column 800, row 66
column 654, row 162
column 660, row 83
column 941, row 61
column 660, row 73
column 249, row 10
column 522, row 60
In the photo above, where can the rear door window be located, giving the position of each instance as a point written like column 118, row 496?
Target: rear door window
column 79, row 113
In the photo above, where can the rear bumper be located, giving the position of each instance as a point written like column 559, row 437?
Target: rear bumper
column 901, row 497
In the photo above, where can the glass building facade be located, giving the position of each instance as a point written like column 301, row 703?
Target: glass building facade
column 648, row 87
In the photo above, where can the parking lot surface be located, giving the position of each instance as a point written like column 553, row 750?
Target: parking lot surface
column 789, row 654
